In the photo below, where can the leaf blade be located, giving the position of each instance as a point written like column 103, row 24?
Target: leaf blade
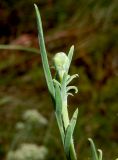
column 69, row 132
column 58, row 111
column 43, row 53
column 70, row 54
column 100, row 154
column 94, row 152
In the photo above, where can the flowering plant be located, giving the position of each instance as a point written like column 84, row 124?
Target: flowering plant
column 60, row 90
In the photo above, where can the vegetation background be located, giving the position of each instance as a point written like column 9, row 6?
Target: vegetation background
column 92, row 26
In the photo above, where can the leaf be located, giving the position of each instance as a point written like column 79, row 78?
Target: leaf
column 70, row 54
column 69, row 94
column 58, row 99
column 100, row 154
column 63, row 86
column 72, row 88
column 44, row 54
column 70, row 78
column 60, row 125
column 69, row 132
column 55, row 81
column 59, row 110
column 94, row 152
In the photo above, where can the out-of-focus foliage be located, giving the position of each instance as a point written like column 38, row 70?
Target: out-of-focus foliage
column 92, row 27
column 28, row 151
column 22, row 146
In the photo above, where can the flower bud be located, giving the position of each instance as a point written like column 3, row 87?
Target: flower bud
column 61, row 63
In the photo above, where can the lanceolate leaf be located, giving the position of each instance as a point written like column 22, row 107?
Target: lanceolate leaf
column 69, row 132
column 70, row 54
column 43, row 53
column 63, row 86
column 60, row 125
column 58, row 98
column 94, row 152
column 58, row 111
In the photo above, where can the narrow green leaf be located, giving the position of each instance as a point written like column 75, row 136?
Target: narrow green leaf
column 60, row 125
column 100, row 154
column 72, row 88
column 69, row 94
column 94, row 152
column 58, row 111
column 63, row 86
column 70, row 54
column 44, row 54
column 69, row 132
column 55, row 81
column 70, row 78
column 58, row 98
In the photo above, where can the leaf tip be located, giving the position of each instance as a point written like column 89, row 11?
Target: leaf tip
column 72, row 47
column 90, row 140
column 77, row 110
column 35, row 5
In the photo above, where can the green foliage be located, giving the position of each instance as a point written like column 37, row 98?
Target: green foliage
column 60, row 92
column 90, row 25
column 62, row 63
column 95, row 156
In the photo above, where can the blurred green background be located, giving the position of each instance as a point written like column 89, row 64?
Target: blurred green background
column 92, row 26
